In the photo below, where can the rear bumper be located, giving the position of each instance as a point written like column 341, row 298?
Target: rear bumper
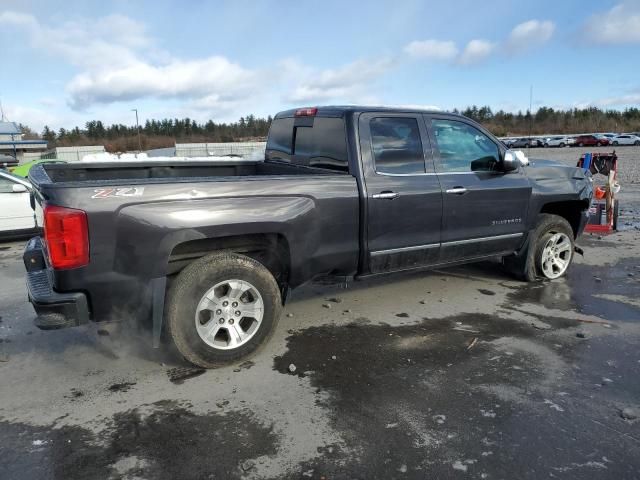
column 54, row 309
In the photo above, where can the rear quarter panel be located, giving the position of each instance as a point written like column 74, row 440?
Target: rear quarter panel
column 131, row 238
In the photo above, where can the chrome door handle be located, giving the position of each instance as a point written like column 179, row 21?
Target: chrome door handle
column 457, row 190
column 385, row 195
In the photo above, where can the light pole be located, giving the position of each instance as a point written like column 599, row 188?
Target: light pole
column 138, row 129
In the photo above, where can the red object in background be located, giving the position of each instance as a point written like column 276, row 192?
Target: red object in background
column 604, row 205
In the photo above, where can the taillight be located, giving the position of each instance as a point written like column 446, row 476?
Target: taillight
column 67, row 236
column 306, row 112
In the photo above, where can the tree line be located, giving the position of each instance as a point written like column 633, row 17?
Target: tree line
column 158, row 133
column 549, row 120
column 166, row 132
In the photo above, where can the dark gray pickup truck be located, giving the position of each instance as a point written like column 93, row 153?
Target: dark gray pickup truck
column 207, row 251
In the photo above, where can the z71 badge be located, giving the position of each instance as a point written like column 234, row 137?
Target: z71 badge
column 118, row 192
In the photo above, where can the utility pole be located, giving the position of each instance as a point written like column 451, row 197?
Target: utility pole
column 138, row 129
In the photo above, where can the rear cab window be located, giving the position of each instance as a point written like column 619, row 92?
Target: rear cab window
column 314, row 141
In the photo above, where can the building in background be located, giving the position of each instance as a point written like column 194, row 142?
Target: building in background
column 12, row 144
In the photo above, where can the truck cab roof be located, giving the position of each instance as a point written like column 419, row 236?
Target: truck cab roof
column 341, row 110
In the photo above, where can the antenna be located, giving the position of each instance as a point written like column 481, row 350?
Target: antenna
column 530, row 111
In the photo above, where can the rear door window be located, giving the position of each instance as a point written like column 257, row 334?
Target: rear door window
column 396, row 144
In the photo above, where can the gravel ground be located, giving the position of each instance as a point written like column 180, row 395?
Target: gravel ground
column 459, row 373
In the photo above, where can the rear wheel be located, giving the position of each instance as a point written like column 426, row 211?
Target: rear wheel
column 561, row 145
column 549, row 252
column 581, row 144
column 598, row 144
column 221, row 308
column 637, row 143
column 615, row 143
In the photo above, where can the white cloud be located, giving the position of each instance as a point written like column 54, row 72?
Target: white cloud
column 348, row 83
column 476, row 51
column 432, row 49
column 619, row 101
column 529, row 34
column 619, row 25
column 213, row 76
column 118, row 62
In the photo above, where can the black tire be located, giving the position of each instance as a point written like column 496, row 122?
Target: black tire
column 546, row 145
column 598, row 144
column 527, row 265
column 581, row 144
column 615, row 214
column 191, row 285
column 615, row 143
column 561, row 145
column 637, row 143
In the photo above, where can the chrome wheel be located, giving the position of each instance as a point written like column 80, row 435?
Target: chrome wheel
column 229, row 314
column 556, row 255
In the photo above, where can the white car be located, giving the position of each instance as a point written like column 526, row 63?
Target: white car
column 17, row 218
column 557, row 142
column 625, row 140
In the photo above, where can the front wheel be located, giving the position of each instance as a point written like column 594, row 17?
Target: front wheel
column 598, row 144
column 549, row 252
column 637, row 143
column 562, row 145
column 615, row 143
column 221, row 308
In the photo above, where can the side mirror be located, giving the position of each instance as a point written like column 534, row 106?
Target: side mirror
column 19, row 188
column 512, row 159
column 509, row 161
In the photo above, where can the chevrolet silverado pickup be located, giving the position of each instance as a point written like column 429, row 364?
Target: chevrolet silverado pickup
column 208, row 251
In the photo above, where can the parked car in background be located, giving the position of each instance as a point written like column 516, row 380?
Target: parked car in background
column 590, row 141
column 523, row 142
column 7, row 161
column 23, row 170
column 556, row 142
column 626, row 139
column 17, row 218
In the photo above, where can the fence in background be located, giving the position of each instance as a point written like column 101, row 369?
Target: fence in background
column 241, row 149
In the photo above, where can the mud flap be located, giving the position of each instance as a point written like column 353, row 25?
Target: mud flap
column 158, row 286
column 578, row 250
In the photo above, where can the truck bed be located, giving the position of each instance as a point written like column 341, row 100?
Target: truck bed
column 86, row 174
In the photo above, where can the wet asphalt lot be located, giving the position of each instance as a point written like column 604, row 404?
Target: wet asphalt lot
column 458, row 373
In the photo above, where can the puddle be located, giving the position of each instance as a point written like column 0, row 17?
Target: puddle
column 169, row 443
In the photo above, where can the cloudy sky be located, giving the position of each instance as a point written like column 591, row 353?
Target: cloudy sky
column 79, row 60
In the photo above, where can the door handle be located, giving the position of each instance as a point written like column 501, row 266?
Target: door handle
column 385, row 195
column 457, row 191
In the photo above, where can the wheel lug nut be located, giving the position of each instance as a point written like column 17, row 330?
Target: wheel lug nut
column 231, row 321
column 237, row 313
column 234, row 304
column 224, row 304
column 218, row 311
column 221, row 320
